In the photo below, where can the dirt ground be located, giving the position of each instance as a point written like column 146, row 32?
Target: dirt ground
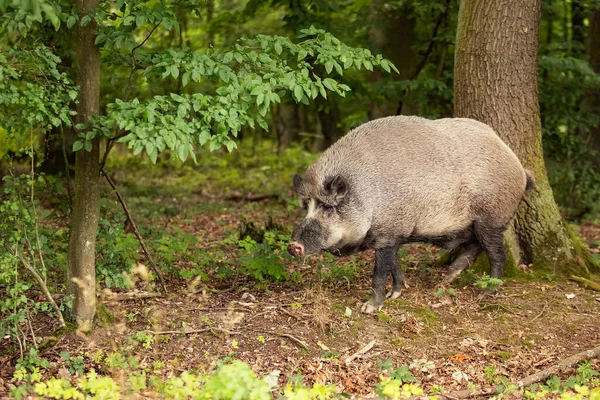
column 315, row 328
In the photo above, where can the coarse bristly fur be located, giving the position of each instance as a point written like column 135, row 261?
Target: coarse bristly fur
column 398, row 179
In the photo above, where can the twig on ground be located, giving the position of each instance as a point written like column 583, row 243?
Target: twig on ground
column 241, row 197
column 359, row 353
column 586, row 282
column 192, row 331
column 136, row 231
column 283, row 310
column 540, row 314
column 111, row 296
column 287, row 335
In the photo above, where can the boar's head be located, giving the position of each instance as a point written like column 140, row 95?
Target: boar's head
column 333, row 221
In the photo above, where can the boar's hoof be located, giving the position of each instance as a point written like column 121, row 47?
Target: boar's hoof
column 295, row 249
column 393, row 294
column 369, row 308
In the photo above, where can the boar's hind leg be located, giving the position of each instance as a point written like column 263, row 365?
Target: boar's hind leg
column 492, row 241
column 397, row 279
column 464, row 259
column 385, row 264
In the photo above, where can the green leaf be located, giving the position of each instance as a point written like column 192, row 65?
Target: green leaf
column 88, row 146
column 78, row 145
column 182, row 152
column 101, row 38
column 178, row 98
column 329, row 66
column 302, row 54
column 298, row 93
column 260, row 98
column 278, row 49
column 330, row 84
column 71, row 21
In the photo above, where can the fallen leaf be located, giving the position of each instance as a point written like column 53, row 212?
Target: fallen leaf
column 460, row 358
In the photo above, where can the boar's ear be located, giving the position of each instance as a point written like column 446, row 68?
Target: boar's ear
column 299, row 185
column 337, row 187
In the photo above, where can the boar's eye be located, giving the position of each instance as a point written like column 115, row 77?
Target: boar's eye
column 327, row 209
column 304, row 204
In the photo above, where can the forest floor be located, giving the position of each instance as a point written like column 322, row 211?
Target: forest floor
column 310, row 326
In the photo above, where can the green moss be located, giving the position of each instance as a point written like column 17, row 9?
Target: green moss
column 502, row 355
column 103, row 316
column 51, row 340
column 383, row 317
column 423, row 312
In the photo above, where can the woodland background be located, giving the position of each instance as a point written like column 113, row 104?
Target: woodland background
column 167, row 133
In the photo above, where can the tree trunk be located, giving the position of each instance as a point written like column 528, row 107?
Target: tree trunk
column 81, row 274
column 392, row 34
column 577, row 24
column 328, row 114
column 593, row 50
column 496, row 83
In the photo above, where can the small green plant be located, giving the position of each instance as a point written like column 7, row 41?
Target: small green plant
column 32, row 360
column 422, row 365
column 446, row 291
column 401, row 373
column 158, row 364
column 264, row 260
column 145, row 339
column 75, row 364
column 489, row 372
column 487, row 282
column 261, row 339
column 131, row 316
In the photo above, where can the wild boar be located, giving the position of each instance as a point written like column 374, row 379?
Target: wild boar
column 450, row 182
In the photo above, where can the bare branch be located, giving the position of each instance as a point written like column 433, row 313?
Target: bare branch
column 41, row 282
column 136, row 231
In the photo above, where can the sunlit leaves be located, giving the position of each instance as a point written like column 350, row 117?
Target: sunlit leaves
column 33, row 93
column 250, row 78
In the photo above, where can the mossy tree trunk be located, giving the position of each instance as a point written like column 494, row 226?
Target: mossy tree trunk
column 496, row 83
column 81, row 275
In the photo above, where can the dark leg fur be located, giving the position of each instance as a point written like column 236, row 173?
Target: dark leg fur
column 385, row 264
column 492, row 241
column 465, row 258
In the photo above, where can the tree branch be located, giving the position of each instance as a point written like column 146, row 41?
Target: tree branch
column 136, row 231
column 41, row 282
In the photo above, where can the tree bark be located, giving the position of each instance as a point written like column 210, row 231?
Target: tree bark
column 81, row 274
column 577, row 23
column 593, row 50
column 496, row 83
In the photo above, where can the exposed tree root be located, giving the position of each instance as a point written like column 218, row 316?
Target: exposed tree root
column 586, row 282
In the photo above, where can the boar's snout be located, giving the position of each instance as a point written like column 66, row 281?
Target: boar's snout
column 296, row 249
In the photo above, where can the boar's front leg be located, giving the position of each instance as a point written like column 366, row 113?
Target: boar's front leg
column 385, row 264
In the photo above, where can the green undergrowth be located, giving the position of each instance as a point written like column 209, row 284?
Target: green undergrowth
column 257, row 166
column 121, row 376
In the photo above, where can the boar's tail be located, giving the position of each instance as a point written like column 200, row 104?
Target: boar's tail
column 530, row 180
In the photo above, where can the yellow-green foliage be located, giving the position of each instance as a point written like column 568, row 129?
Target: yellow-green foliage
column 9, row 142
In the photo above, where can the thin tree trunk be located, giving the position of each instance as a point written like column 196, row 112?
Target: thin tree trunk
column 81, row 275
column 496, row 83
column 392, row 34
column 577, row 24
column 593, row 49
column 328, row 114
